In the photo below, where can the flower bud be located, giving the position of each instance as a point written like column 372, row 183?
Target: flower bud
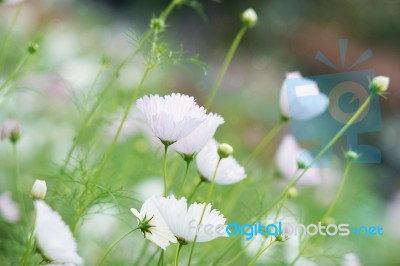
column 224, row 150
column 157, row 24
column 292, row 192
column 351, row 156
column 39, row 189
column 11, row 130
column 33, row 48
column 301, row 164
column 249, row 17
column 379, row 84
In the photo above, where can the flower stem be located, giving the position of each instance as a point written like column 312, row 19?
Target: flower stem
column 264, row 142
column 204, row 209
column 225, row 66
column 4, row 45
column 25, row 260
column 294, row 181
column 178, row 251
column 161, row 259
column 195, row 189
column 184, row 177
column 165, row 168
column 114, row 244
column 254, row 260
column 18, row 183
column 338, row 193
column 13, row 74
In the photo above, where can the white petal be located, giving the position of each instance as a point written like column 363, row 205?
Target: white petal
column 53, row 236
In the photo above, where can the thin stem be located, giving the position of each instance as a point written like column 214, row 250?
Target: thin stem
column 13, row 74
column 237, row 255
column 178, row 251
column 225, row 66
column 168, row 10
column 114, row 244
column 161, row 259
column 254, row 260
column 338, row 193
column 184, row 177
column 18, row 183
column 320, row 154
column 264, row 142
column 4, row 45
column 195, row 189
column 25, row 260
column 204, row 209
column 165, row 169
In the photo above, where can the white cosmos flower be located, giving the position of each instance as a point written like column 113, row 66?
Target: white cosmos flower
column 153, row 225
column 229, row 170
column 9, row 210
column 195, row 141
column 286, row 159
column 172, row 117
column 303, row 100
column 54, row 237
column 183, row 221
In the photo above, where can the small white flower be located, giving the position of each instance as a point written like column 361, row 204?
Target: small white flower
column 249, row 17
column 301, row 107
column 287, row 159
column 172, row 117
column 380, row 84
column 54, row 237
column 39, row 189
column 183, row 221
column 152, row 224
column 9, row 210
column 11, row 130
column 195, row 141
column 229, row 170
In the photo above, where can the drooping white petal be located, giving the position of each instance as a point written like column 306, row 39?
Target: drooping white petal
column 9, row 210
column 54, row 237
column 195, row 141
column 286, row 158
column 184, row 221
column 159, row 234
column 229, row 170
column 301, row 106
column 171, row 117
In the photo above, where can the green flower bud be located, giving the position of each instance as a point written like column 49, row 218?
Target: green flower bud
column 224, row 150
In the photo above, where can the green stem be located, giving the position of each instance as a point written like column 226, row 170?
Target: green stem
column 195, row 189
column 114, row 244
column 338, row 193
column 142, row 253
column 225, row 66
column 184, row 177
column 18, row 183
column 237, row 255
column 264, row 142
column 165, row 169
column 254, row 260
column 204, row 209
column 4, row 46
column 161, row 259
column 13, row 74
column 168, row 10
column 178, row 250
column 25, row 260
column 294, row 181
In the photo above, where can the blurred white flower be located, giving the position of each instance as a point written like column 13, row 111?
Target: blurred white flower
column 39, row 189
column 54, row 237
column 287, row 158
column 393, row 216
column 11, row 2
column 249, row 17
column 150, row 186
column 183, row 221
column 195, row 141
column 10, row 130
column 152, row 224
column 9, row 210
column 172, row 117
column 306, row 102
column 229, row 170
column 351, row 259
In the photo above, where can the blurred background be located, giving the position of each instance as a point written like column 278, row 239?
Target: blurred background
column 80, row 40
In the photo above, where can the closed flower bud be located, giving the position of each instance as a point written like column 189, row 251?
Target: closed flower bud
column 352, row 156
column 249, row 17
column 379, row 84
column 225, row 150
column 292, row 192
column 39, row 189
column 301, row 164
column 11, row 130
column 33, row 48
